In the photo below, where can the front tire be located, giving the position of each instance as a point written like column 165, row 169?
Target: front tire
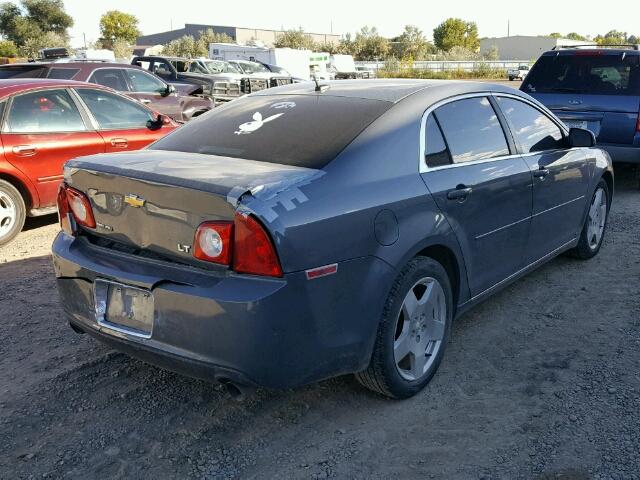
column 595, row 224
column 12, row 212
column 413, row 331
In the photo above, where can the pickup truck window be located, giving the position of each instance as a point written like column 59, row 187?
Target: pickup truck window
column 298, row 130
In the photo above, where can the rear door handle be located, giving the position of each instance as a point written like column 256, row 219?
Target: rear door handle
column 145, row 100
column 119, row 142
column 541, row 173
column 460, row 193
column 24, row 150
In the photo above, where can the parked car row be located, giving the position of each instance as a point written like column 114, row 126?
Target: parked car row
column 44, row 123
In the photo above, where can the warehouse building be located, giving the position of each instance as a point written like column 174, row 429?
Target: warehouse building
column 520, row 47
column 238, row 34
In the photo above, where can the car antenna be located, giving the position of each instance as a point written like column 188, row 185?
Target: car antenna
column 319, row 88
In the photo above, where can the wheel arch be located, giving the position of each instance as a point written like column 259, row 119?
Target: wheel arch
column 608, row 177
column 449, row 261
column 24, row 190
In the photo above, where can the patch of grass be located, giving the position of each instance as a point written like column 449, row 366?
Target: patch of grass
column 459, row 74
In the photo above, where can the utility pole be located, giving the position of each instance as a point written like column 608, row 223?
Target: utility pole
column 508, row 28
column 84, row 35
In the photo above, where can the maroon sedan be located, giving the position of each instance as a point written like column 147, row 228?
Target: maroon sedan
column 44, row 123
column 181, row 104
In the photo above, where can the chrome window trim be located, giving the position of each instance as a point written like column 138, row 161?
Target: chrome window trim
column 422, row 164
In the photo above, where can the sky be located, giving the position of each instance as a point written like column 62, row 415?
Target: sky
column 342, row 16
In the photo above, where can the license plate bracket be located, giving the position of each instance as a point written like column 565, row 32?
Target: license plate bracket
column 577, row 124
column 123, row 308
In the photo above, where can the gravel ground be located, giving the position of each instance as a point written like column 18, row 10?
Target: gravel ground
column 541, row 381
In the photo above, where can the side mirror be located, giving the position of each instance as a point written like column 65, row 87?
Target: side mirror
column 157, row 124
column 579, row 137
column 169, row 90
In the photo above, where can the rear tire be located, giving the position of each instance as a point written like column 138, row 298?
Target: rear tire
column 413, row 331
column 13, row 212
column 595, row 225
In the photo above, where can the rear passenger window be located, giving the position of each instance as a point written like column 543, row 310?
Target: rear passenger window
column 45, row 111
column 110, row 77
column 435, row 153
column 472, row 130
column 63, row 73
column 532, row 129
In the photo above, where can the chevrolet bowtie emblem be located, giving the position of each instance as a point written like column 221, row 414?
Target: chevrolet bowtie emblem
column 134, row 200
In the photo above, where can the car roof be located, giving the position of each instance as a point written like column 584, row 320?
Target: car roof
column 389, row 89
column 592, row 50
column 14, row 85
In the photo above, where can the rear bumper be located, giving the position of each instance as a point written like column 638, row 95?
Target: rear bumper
column 622, row 153
column 277, row 333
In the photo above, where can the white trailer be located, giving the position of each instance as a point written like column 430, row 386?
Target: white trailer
column 296, row 62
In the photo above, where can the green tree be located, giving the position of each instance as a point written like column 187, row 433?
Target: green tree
column 294, row 39
column 411, row 44
column 455, row 32
column 117, row 25
column 33, row 45
column 370, row 45
column 122, row 49
column 209, row 36
column 555, row 35
column 613, row 37
column 576, row 36
column 32, row 19
column 189, row 47
column 8, row 49
column 348, row 46
column 329, row 47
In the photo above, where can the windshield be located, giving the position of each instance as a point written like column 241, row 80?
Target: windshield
column 218, row 66
column 306, row 131
column 588, row 72
column 253, row 67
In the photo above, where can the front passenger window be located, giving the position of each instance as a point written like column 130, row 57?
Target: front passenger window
column 532, row 129
column 472, row 130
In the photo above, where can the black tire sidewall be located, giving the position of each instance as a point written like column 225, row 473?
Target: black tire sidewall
column 21, row 213
column 418, row 268
column 584, row 240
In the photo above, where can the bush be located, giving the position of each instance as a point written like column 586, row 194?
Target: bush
column 482, row 71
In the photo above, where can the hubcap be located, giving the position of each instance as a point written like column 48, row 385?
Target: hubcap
column 7, row 214
column 420, row 328
column 597, row 218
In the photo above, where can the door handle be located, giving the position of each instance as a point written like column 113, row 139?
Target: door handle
column 541, row 173
column 25, row 150
column 145, row 100
column 119, row 142
column 460, row 193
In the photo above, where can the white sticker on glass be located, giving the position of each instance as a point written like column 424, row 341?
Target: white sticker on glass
column 257, row 123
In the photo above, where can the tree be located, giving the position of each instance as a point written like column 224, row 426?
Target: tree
column 294, row 39
column 613, row 37
column 209, row 36
column 8, row 49
column 455, row 32
column 411, row 44
column 33, row 45
column 555, row 35
column 33, row 19
column 117, row 25
column 576, row 36
column 370, row 45
column 122, row 49
column 187, row 46
column 329, row 47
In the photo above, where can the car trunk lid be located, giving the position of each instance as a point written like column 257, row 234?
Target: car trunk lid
column 152, row 202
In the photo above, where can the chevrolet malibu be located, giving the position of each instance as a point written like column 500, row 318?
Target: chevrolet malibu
column 312, row 230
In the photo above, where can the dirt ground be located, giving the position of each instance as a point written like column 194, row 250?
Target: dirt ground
column 542, row 381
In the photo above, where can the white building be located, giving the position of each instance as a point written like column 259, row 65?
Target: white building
column 520, row 47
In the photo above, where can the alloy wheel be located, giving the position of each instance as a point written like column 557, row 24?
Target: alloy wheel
column 597, row 218
column 8, row 214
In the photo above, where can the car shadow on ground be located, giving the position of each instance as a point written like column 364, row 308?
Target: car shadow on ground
column 31, row 223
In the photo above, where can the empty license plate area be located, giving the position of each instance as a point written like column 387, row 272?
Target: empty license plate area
column 124, row 308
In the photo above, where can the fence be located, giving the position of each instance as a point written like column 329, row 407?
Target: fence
column 448, row 65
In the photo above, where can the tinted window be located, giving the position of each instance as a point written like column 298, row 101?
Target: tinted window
column 472, row 130
column 162, row 69
column 144, row 82
column 533, row 130
column 307, row 131
column 586, row 72
column 42, row 112
column 436, row 152
column 63, row 73
column 110, row 77
column 22, row 71
column 114, row 112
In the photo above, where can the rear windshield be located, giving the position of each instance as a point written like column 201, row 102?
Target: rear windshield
column 585, row 72
column 23, row 71
column 306, row 131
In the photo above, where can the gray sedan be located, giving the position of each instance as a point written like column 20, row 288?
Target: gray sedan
column 311, row 231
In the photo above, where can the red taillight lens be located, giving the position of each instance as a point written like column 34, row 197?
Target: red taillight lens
column 213, row 242
column 638, row 124
column 253, row 251
column 63, row 210
column 80, row 206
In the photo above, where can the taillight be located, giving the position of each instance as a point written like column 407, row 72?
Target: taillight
column 64, row 211
column 638, row 124
column 80, row 206
column 253, row 251
column 213, row 242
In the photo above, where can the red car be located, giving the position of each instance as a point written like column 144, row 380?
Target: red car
column 47, row 122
